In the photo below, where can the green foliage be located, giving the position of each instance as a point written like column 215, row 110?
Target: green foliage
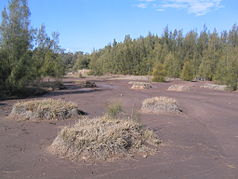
column 15, row 42
column 227, row 69
column 187, row 73
column 82, row 62
column 188, row 56
column 172, row 66
column 19, row 64
column 158, row 73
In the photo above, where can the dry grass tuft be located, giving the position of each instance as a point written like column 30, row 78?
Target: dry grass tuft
column 86, row 84
column 46, row 109
column 160, row 104
column 214, row 87
column 140, row 85
column 179, row 88
column 104, row 138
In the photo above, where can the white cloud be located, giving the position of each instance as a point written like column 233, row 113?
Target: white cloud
column 142, row 5
column 197, row 7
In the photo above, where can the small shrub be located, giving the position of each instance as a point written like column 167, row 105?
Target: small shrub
column 160, row 104
column 113, row 110
column 46, row 109
column 104, row 138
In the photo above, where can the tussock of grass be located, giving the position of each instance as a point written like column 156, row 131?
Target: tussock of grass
column 215, row 87
column 104, row 138
column 46, row 109
column 179, row 88
column 160, row 104
column 113, row 110
column 140, row 85
column 86, row 84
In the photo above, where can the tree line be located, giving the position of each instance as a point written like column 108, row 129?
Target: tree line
column 207, row 55
column 26, row 54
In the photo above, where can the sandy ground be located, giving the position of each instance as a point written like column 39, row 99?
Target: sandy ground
column 200, row 143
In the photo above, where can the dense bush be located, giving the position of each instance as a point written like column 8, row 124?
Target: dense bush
column 25, row 55
column 206, row 55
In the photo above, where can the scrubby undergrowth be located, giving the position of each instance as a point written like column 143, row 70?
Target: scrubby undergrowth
column 46, row 109
column 160, row 104
column 104, row 138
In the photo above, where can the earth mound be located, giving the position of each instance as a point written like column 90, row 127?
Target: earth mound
column 140, row 85
column 214, row 87
column 104, row 138
column 46, row 109
column 179, row 88
column 160, row 104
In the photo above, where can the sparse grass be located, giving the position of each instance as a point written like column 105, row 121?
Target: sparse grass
column 160, row 104
column 113, row 110
column 140, row 85
column 104, row 138
column 179, row 88
column 46, row 109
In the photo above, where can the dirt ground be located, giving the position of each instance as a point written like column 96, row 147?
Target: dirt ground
column 200, row 143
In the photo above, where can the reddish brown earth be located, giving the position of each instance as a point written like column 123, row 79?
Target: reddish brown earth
column 200, row 143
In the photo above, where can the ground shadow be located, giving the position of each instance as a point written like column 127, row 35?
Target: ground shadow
column 72, row 92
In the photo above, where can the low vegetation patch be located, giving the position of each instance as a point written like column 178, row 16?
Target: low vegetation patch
column 140, row 85
column 86, row 84
column 179, row 88
column 160, row 104
column 215, row 87
column 113, row 110
column 46, row 109
column 104, row 138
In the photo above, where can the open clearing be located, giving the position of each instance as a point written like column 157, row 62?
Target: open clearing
column 201, row 142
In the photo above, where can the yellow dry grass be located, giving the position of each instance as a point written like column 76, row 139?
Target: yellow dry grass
column 179, row 88
column 160, row 104
column 45, row 109
column 104, row 138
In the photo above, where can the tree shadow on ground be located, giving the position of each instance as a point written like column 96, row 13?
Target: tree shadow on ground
column 73, row 92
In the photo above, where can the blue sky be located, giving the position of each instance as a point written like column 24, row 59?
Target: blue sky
column 91, row 24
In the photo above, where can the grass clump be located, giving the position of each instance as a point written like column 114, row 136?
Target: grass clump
column 215, row 87
column 113, row 110
column 104, row 138
column 140, row 85
column 179, row 88
column 46, row 109
column 160, row 104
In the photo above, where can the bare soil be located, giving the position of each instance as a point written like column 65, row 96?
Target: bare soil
column 200, row 143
